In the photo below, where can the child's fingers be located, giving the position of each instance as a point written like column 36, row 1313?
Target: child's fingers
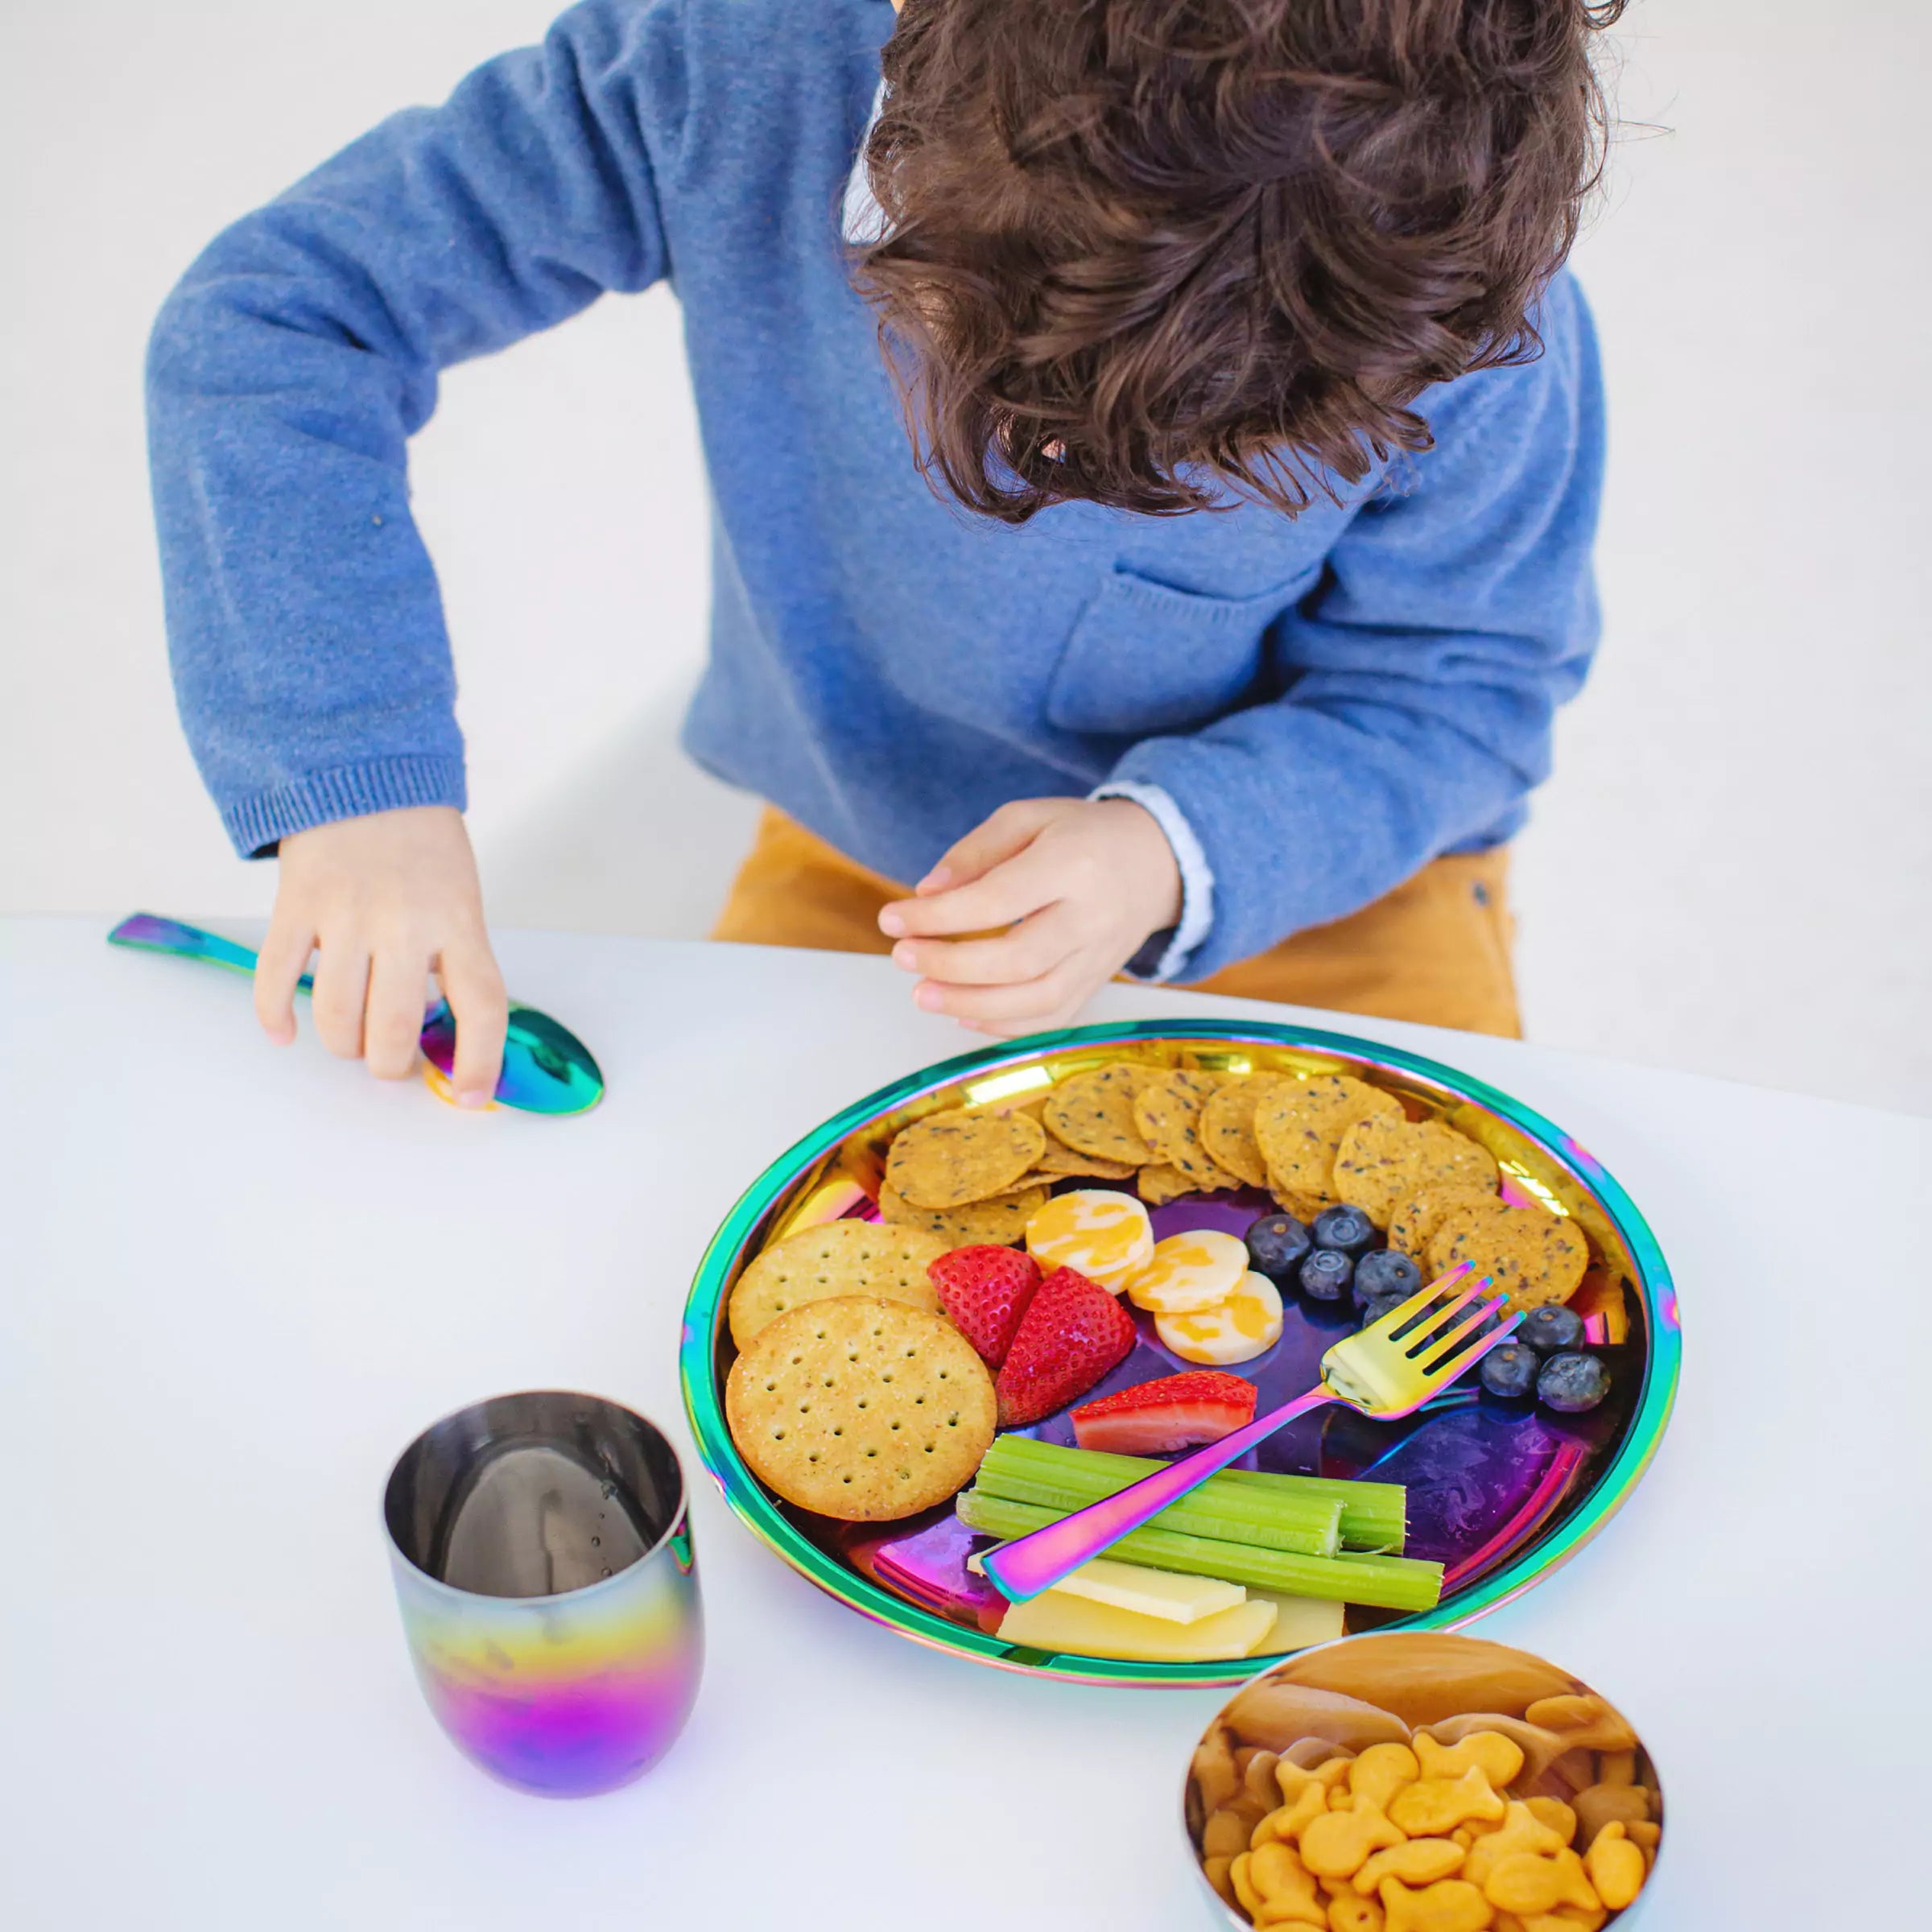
column 1027, row 1000
column 392, row 1021
column 991, row 843
column 281, row 962
column 1025, row 951
column 341, row 992
column 1012, row 891
column 474, row 988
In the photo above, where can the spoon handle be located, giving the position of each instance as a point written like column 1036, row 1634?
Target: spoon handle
column 153, row 934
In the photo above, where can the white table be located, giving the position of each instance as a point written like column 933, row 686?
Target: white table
column 234, row 1283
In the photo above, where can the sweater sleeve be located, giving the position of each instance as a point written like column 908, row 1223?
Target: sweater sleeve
column 287, row 370
column 1421, row 679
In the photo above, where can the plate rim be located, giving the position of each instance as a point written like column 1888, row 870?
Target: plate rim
column 746, row 1498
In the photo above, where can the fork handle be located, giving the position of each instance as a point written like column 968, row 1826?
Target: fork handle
column 1030, row 1564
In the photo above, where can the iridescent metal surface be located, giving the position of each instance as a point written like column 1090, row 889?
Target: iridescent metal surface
column 547, row 1069
column 540, row 1546
column 1500, row 1494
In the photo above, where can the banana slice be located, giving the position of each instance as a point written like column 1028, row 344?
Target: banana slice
column 1247, row 1324
column 1098, row 1232
column 1189, row 1271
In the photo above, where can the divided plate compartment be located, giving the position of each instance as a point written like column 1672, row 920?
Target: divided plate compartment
column 1500, row 1492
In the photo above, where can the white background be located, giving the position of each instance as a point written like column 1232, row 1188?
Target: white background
column 1728, row 872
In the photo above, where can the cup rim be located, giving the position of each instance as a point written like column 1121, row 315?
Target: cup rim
column 675, row 1522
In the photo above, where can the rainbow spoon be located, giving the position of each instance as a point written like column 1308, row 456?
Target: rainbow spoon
column 547, row 1069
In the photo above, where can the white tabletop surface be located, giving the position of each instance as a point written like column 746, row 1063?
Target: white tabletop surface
column 234, row 1282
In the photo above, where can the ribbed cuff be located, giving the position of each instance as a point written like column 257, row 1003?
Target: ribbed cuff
column 258, row 822
column 1197, row 882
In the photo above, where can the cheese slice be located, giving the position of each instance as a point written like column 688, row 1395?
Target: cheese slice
column 1162, row 1593
column 1300, row 1621
column 1057, row 1622
column 1247, row 1324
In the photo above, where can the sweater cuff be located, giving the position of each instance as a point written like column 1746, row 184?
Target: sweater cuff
column 1170, row 951
column 258, row 822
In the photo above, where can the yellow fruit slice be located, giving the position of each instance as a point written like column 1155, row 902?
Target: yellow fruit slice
column 1247, row 1324
column 1192, row 1270
column 1098, row 1231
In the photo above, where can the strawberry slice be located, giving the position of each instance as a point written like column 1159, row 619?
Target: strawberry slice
column 1177, row 1412
column 984, row 1291
column 1071, row 1334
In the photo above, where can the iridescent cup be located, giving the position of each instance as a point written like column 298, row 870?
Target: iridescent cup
column 543, row 1561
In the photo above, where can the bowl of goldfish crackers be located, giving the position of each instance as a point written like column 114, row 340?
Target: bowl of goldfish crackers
column 1422, row 1782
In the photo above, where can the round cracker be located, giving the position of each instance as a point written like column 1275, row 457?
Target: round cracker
column 860, row 1410
column 1374, row 1165
column 1445, row 1157
column 1058, row 1158
column 1299, row 1129
column 950, row 1159
column 1534, row 1257
column 1001, row 1220
column 1419, row 1216
column 1093, row 1112
column 1160, row 1182
column 1228, row 1126
column 838, row 1258
column 1167, row 1112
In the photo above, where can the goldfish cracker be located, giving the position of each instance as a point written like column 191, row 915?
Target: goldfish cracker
column 1522, row 1831
column 1215, row 1869
column 1471, row 1829
column 1291, row 1778
column 1598, row 1805
column 1531, row 1883
column 1187, row 1272
column 1335, row 1844
column 1258, row 1779
column 1421, row 1861
column 1352, row 1913
column 1381, row 1771
column 1245, row 1896
column 1566, row 1918
column 1615, row 1866
column 1097, row 1231
column 1617, row 1768
column 1556, row 1815
column 1585, row 1723
column 1642, row 1833
column 1287, row 1892
column 1433, row 1807
column 1341, row 1799
column 1499, row 1758
column 1247, row 1324
column 1286, row 1824
column 1335, row 1772
column 1214, row 1774
column 1225, row 1833
column 1451, row 1904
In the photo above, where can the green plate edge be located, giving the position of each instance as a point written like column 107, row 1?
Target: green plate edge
column 748, row 1501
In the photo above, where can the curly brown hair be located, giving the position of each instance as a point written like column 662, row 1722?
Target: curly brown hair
column 1143, row 252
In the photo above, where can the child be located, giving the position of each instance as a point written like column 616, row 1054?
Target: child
column 1210, row 624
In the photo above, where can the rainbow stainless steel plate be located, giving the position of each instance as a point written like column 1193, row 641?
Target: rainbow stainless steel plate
column 1500, row 1494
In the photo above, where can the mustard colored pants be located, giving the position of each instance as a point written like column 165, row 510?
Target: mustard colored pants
column 1435, row 950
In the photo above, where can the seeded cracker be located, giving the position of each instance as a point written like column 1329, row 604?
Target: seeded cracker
column 1060, row 1159
column 1300, row 1128
column 860, row 1410
column 1160, row 1183
column 1167, row 1111
column 1093, row 1112
column 1533, row 1256
column 1227, row 1125
column 1417, row 1218
column 950, row 1159
column 1382, row 1160
column 841, row 1257
column 1001, row 1220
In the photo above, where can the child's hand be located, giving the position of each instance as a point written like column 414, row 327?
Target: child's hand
column 1082, row 884
column 386, row 900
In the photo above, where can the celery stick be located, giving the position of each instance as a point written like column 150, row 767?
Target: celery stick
column 1374, row 1514
column 1388, row 1583
column 1317, row 1536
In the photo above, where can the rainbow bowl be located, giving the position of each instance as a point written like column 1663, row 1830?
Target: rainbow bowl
column 1369, row 1690
column 1511, row 1498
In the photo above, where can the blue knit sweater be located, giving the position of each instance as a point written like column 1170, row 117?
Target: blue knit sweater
column 1330, row 700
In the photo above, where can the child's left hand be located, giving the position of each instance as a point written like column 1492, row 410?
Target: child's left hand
column 1081, row 884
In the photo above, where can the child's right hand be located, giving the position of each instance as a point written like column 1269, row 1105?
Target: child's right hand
column 385, row 901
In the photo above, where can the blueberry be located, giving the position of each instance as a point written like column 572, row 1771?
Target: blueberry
column 1379, row 1305
column 1551, row 1330
column 1510, row 1369
column 1345, row 1228
column 1277, row 1244
column 1384, row 1272
column 1572, row 1382
column 1325, row 1274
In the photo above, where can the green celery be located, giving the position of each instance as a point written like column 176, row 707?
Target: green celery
column 1314, row 1533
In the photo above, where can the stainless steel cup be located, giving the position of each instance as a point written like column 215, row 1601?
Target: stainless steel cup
column 543, row 1561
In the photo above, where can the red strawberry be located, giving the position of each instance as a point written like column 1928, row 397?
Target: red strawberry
column 1071, row 1334
column 1175, row 1413
column 984, row 1291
